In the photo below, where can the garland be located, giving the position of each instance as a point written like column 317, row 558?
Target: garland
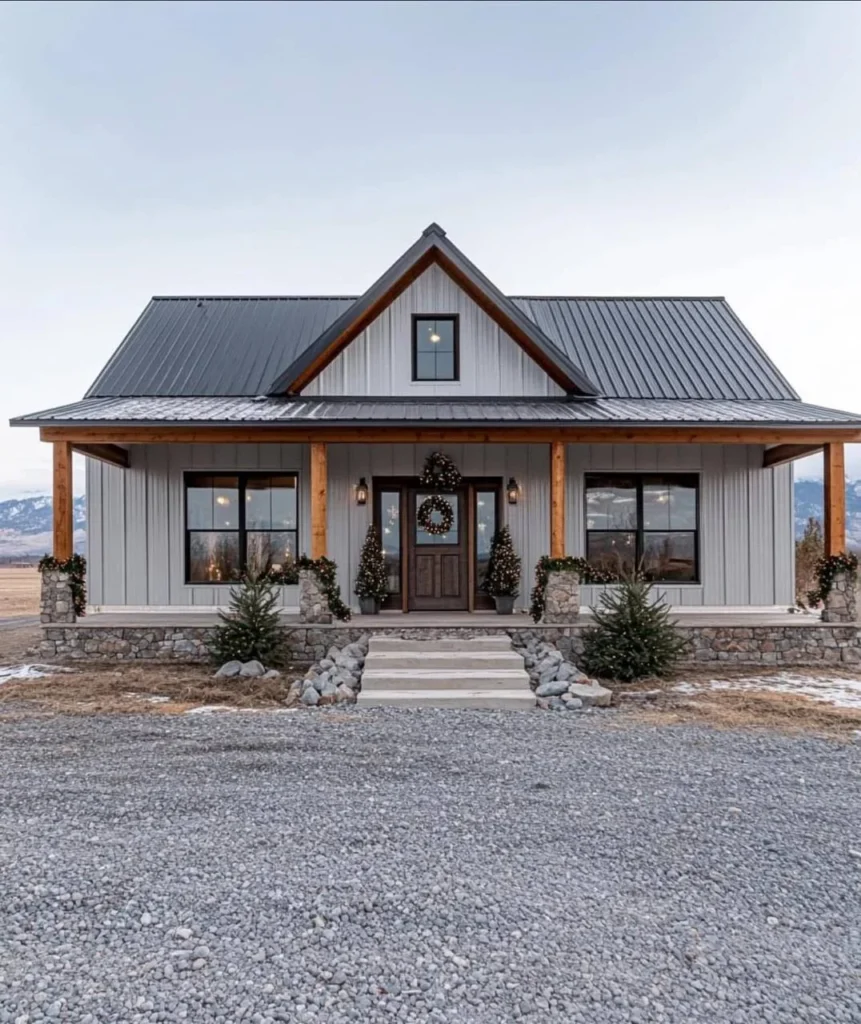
column 424, row 515
column 324, row 569
column 76, row 569
column 587, row 574
column 440, row 473
column 827, row 569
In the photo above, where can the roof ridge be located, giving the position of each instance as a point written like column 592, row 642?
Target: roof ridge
column 249, row 298
column 624, row 298
column 352, row 298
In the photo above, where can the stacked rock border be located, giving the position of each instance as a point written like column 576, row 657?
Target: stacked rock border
column 335, row 679
column 558, row 684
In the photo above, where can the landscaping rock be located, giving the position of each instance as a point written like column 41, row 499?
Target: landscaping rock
column 345, row 692
column 252, row 669
column 229, row 669
column 572, row 703
column 329, row 689
column 310, row 697
column 553, row 688
column 591, row 694
column 272, row 673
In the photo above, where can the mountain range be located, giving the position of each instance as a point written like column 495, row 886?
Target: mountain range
column 25, row 523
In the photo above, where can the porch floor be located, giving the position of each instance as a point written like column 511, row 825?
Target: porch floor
column 417, row 620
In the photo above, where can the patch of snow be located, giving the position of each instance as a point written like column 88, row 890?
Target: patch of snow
column 206, row 709
column 842, row 693
column 149, row 698
column 8, row 672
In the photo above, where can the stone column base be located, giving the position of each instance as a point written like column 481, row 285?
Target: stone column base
column 313, row 605
column 57, row 604
column 562, row 597
column 842, row 604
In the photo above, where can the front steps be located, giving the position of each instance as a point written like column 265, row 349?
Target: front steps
column 484, row 672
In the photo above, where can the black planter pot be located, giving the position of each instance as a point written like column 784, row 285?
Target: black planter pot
column 368, row 606
column 504, row 604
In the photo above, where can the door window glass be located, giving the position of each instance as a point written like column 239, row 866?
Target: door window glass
column 450, row 537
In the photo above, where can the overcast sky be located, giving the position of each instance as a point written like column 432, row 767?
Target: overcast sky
column 704, row 149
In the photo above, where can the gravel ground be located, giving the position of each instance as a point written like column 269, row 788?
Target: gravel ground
column 376, row 865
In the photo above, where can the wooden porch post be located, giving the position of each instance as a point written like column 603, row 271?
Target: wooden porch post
column 63, row 517
column 835, row 500
column 557, row 499
column 319, row 484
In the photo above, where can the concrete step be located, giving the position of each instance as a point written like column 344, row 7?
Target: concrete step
column 381, row 644
column 445, row 698
column 448, row 678
column 464, row 659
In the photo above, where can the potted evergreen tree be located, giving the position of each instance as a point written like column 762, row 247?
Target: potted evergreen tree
column 372, row 583
column 502, row 580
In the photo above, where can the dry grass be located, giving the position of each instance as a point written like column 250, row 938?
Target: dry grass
column 16, row 642
column 98, row 689
column 19, row 592
column 759, row 709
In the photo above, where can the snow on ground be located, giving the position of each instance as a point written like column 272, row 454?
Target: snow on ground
column 843, row 693
column 9, row 672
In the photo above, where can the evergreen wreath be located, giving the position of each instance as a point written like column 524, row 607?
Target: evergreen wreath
column 424, row 516
column 826, row 571
column 440, row 473
column 76, row 569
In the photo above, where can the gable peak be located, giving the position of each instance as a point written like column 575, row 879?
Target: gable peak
column 433, row 229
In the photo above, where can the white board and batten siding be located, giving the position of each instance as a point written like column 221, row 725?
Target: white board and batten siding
column 379, row 361
column 137, row 525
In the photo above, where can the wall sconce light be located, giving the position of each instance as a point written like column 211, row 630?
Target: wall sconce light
column 513, row 490
column 362, row 491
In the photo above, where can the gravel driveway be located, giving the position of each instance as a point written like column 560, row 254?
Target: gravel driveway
column 425, row 866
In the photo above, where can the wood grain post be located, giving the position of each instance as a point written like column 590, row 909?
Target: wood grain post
column 557, row 499
column 319, row 488
column 835, row 500
column 64, row 524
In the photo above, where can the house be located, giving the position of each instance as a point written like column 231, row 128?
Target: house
column 649, row 431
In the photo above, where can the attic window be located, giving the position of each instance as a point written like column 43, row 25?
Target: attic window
column 435, row 348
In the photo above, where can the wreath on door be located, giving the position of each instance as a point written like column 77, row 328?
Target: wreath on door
column 432, row 507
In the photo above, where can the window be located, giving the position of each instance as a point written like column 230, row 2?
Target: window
column 238, row 520
column 390, row 534
column 647, row 521
column 435, row 348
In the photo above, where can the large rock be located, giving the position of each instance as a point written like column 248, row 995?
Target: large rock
column 252, row 669
column 562, row 597
column 592, row 694
column 329, row 689
column 553, row 688
column 310, row 697
column 568, row 671
column 229, row 669
column 345, row 693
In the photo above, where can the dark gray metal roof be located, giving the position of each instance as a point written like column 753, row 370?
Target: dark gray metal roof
column 283, row 412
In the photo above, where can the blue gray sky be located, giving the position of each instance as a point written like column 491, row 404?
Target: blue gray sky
column 630, row 148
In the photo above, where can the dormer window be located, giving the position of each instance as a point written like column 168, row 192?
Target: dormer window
column 435, row 348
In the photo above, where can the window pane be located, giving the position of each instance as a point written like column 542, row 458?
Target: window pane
column 612, row 552
column 213, row 503
column 442, row 330
column 669, row 503
column 445, row 365
column 213, row 557
column 670, row 556
column 611, row 503
column 444, row 538
column 276, row 547
column 425, row 366
column 270, row 503
column 485, row 527
column 390, row 534
column 199, row 504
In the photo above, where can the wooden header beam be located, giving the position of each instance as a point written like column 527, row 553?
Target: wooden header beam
column 783, row 453
column 466, row 435
column 835, row 500
column 109, row 453
column 64, row 523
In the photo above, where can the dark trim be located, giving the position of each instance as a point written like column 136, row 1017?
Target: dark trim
column 640, row 532
column 242, row 477
column 417, row 318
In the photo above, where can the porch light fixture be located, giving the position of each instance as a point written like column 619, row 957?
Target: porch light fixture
column 513, row 490
column 362, row 491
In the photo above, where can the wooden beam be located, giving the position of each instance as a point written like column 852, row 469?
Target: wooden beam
column 64, row 523
column 835, row 500
column 319, row 489
column 109, row 453
column 783, row 453
column 557, row 499
column 196, row 434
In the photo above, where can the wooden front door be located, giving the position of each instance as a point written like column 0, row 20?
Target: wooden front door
column 438, row 565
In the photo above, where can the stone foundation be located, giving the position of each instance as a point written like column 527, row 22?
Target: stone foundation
column 842, row 604
column 808, row 643
column 313, row 603
column 562, row 598
column 57, row 604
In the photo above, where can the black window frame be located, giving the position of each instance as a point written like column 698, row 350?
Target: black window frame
column 640, row 479
column 242, row 478
column 454, row 318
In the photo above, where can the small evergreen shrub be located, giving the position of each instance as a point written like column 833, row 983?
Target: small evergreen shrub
column 372, row 579
column 634, row 636
column 503, row 567
column 250, row 629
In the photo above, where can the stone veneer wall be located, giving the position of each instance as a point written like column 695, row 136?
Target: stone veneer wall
column 57, row 603
column 805, row 644
column 562, row 598
column 842, row 602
